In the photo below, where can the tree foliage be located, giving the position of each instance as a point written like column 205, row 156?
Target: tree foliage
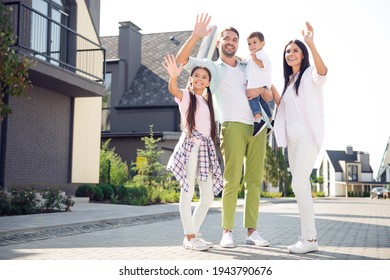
column 14, row 76
column 113, row 170
column 148, row 167
column 274, row 167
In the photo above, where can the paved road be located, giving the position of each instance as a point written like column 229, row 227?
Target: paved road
column 348, row 228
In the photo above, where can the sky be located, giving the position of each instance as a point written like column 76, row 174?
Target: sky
column 350, row 36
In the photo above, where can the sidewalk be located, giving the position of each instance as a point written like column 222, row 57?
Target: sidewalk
column 348, row 229
column 85, row 213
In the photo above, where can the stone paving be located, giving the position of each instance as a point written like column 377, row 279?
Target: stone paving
column 348, row 229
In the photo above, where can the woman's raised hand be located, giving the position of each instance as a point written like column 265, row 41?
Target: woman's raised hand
column 309, row 34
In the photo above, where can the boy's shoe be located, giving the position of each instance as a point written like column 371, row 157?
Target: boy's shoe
column 227, row 240
column 208, row 243
column 194, row 244
column 303, row 246
column 256, row 239
column 270, row 129
column 258, row 127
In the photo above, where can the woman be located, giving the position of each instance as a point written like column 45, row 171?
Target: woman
column 299, row 126
column 194, row 156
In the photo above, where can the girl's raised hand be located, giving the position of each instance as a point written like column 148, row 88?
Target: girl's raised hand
column 171, row 66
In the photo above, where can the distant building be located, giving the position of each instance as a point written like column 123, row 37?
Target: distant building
column 137, row 93
column 52, row 138
column 346, row 173
column 384, row 168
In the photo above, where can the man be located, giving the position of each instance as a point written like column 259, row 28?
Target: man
column 238, row 146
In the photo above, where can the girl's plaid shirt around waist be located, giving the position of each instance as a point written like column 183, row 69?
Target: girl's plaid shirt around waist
column 207, row 161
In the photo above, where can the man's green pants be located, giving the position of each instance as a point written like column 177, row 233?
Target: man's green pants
column 243, row 157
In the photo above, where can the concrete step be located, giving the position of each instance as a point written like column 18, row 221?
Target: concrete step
column 79, row 200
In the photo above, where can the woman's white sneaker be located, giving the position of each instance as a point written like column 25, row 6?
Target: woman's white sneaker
column 303, row 246
column 194, row 244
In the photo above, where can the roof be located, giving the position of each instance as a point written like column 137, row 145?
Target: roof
column 336, row 156
column 150, row 85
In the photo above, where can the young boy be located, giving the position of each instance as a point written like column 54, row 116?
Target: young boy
column 258, row 73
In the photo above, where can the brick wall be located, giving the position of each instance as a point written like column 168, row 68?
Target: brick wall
column 38, row 142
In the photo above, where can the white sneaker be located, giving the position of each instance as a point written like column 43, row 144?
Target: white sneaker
column 303, row 246
column 208, row 243
column 227, row 240
column 194, row 244
column 256, row 239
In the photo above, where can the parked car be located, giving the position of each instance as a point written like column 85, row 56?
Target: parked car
column 378, row 192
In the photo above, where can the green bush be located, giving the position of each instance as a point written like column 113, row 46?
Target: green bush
column 138, row 195
column 130, row 194
column 108, row 190
column 86, row 190
column 52, row 199
column 170, row 196
column 31, row 201
column 270, row 194
column 318, row 194
column 5, row 203
column 24, row 201
column 55, row 199
column 99, row 196
column 120, row 194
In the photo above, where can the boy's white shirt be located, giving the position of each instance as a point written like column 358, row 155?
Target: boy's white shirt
column 257, row 76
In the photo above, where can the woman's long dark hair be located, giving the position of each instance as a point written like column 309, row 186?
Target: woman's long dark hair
column 192, row 107
column 288, row 71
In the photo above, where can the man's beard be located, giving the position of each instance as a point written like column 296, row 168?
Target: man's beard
column 228, row 53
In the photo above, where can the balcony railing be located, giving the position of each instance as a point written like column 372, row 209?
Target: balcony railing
column 50, row 41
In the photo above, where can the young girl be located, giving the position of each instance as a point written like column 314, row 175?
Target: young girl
column 194, row 156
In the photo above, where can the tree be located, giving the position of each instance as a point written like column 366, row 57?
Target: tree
column 14, row 76
column 271, row 174
column 314, row 180
column 147, row 166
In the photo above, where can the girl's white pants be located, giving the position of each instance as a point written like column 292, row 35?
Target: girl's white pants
column 192, row 222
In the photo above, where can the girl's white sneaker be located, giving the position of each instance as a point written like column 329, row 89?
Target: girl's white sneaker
column 194, row 244
column 208, row 243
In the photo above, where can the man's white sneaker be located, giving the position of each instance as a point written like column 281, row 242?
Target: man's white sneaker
column 194, row 244
column 208, row 243
column 256, row 239
column 227, row 240
column 303, row 246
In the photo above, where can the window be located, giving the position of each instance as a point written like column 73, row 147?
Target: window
column 106, row 104
column 47, row 37
column 352, row 173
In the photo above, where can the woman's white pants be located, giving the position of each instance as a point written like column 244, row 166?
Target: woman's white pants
column 302, row 156
column 192, row 222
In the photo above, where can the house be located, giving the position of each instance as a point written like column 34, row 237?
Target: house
column 346, row 173
column 52, row 138
column 137, row 93
column 383, row 175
